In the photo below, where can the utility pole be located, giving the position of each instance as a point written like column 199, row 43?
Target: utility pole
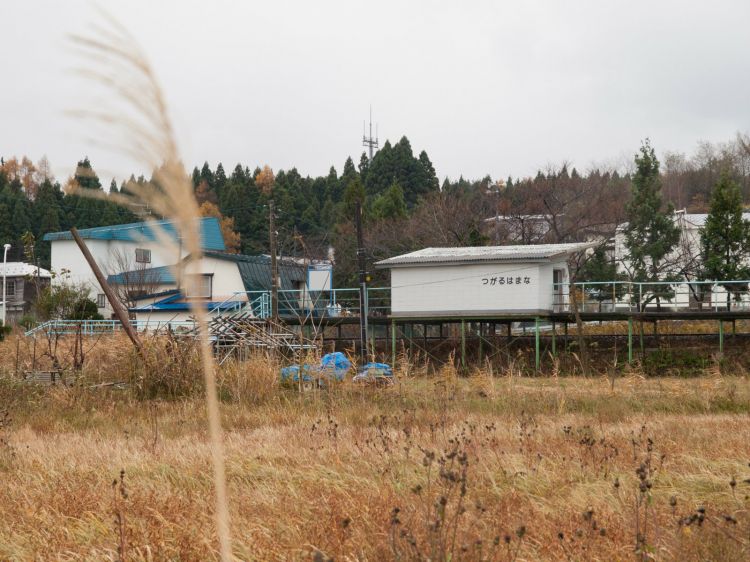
column 274, row 264
column 362, row 285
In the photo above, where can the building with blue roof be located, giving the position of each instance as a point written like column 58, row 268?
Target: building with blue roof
column 227, row 282
column 126, row 248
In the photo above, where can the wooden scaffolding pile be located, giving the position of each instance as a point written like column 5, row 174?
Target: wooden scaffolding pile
column 239, row 333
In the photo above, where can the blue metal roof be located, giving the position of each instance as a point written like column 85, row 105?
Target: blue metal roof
column 255, row 271
column 155, row 295
column 211, row 237
column 170, row 305
column 163, row 275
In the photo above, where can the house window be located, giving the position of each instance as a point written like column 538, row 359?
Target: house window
column 101, row 301
column 10, row 288
column 199, row 286
column 142, row 255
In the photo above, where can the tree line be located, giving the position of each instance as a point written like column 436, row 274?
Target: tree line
column 405, row 205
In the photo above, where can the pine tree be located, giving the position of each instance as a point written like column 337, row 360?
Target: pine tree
column 220, row 179
column 651, row 233
column 364, row 167
column 354, row 193
column 390, row 204
column 85, row 177
column 432, row 181
column 601, row 269
column 725, row 239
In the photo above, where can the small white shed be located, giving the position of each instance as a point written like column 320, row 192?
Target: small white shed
column 480, row 281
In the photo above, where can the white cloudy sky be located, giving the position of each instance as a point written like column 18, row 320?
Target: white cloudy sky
column 498, row 87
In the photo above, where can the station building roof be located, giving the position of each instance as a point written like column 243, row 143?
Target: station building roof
column 484, row 254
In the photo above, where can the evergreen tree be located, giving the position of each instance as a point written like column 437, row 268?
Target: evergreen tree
column 725, row 239
column 651, row 233
column 432, row 181
column 354, row 193
column 220, row 179
column 601, row 269
column 85, row 177
column 364, row 167
column 390, row 204
column 349, row 174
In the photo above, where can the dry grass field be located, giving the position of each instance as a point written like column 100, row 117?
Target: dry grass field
column 438, row 467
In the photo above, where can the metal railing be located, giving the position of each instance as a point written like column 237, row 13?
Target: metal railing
column 304, row 304
column 632, row 296
column 591, row 296
column 103, row 327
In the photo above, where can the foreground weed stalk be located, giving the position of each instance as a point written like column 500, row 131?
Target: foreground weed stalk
column 120, row 494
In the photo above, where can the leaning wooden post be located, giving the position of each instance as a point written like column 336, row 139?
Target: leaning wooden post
column 119, row 310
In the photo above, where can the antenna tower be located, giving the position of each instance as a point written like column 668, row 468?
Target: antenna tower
column 370, row 142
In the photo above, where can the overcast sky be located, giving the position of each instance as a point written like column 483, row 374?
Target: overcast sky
column 485, row 87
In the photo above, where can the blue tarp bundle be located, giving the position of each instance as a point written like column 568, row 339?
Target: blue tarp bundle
column 332, row 366
column 336, row 364
column 374, row 370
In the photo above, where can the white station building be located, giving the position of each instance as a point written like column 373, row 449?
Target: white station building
column 484, row 281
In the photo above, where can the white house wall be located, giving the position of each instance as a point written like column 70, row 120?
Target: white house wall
column 66, row 255
column 444, row 290
column 226, row 278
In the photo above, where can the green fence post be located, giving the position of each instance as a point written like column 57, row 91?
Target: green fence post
column 554, row 344
column 721, row 336
column 630, row 340
column 536, row 341
column 480, row 343
column 393, row 344
column 643, row 350
column 463, row 344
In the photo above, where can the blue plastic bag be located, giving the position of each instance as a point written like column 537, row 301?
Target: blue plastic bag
column 335, row 365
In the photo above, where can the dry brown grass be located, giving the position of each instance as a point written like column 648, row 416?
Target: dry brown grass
column 358, row 474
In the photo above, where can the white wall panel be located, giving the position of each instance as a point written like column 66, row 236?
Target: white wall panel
column 475, row 288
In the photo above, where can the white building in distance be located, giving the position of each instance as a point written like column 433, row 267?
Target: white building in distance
column 685, row 257
column 482, row 281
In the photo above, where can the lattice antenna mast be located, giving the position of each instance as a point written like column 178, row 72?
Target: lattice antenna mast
column 368, row 141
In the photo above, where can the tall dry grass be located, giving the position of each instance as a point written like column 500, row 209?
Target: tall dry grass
column 440, row 467
column 138, row 119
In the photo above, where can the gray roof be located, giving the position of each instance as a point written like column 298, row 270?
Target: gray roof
column 21, row 269
column 699, row 219
column 521, row 253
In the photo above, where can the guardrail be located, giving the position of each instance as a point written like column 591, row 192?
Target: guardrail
column 631, row 296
